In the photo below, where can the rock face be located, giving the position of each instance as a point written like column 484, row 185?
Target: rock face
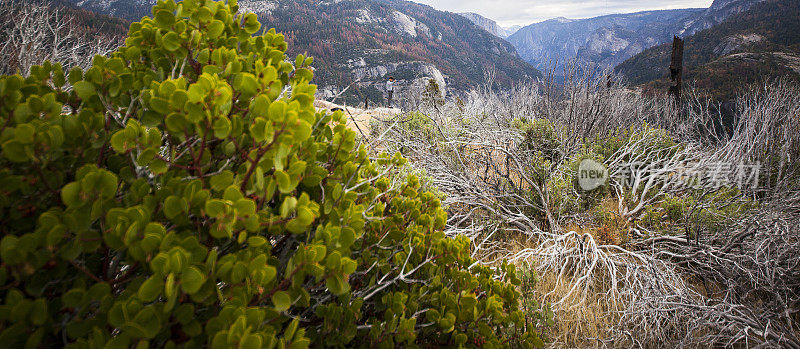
column 734, row 42
column 359, row 43
column 490, row 25
column 485, row 23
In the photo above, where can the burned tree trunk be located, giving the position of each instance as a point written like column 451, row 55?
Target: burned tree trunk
column 676, row 68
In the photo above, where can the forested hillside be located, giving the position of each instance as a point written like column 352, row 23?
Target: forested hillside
column 365, row 41
column 758, row 44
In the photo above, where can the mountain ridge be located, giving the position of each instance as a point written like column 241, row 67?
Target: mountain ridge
column 490, row 25
column 604, row 42
column 359, row 43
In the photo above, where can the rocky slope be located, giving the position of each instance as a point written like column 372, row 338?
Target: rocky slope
column 359, row 43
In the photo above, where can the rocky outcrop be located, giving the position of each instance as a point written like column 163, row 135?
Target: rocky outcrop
column 734, row 42
column 485, row 23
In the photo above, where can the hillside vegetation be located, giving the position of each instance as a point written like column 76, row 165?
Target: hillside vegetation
column 366, row 41
column 183, row 191
column 691, row 239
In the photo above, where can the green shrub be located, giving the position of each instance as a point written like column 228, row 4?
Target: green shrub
column 540, row 137
column 178, row 195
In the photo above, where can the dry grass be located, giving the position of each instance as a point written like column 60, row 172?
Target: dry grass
column 582, row 320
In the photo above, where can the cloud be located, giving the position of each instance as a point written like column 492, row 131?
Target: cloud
column 524, row 12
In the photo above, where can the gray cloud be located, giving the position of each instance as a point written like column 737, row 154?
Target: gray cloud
column 524, row 12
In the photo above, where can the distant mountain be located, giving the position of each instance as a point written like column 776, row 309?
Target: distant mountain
column 606, row 41
column 511, row 30
column 760, row 43
column 601, row 41
column 362, row 42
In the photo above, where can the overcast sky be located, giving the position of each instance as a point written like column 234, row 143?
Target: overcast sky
column 524, row 12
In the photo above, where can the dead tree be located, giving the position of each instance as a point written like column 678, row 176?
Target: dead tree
column 33, row 33
column 676, row 68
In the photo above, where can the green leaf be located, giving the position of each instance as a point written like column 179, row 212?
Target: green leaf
column 222, row 127
column 281, row 300
column 70, row 194
column 176, row 123
column 348, row 265
column 150, row 289
column 256, row 241
column 192, row 279
column 39, row 312
column 169, row 286
column 259, row 106
column 249, row 84
column 284, row 183
column 173, row 206
column 24, row 133
column 461, row 339
column 251, row 24
column 250, row 341
column 336, row 285
column 221, row 181
column 84, row 89
column 196, row 94
column 165, row 18
column 15, row 151
column 118, row 141
column 302, row 131
column 215, row 29
column 245, row 207
column 73, row 298
column 305, row 216
column 215, row 208
column 277, row 111
column 288, row 206
column 158, row 166
column 171, row 41
column 269, row 274
column 107, row 184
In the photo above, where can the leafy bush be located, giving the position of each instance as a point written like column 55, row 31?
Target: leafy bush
column 184, row 192
column 540, row 137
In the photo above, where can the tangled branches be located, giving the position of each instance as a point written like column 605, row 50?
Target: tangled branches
column 506, row 163
column 33, row 33
column 768, row 133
